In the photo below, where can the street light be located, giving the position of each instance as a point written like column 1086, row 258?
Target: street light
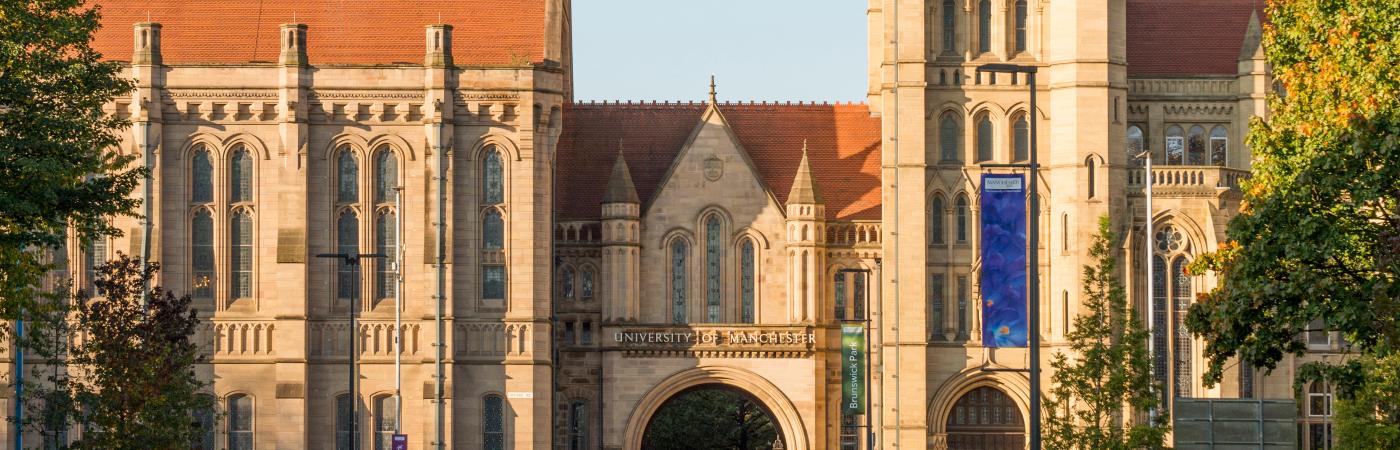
column 353, row 260
column 864, row 320
column 1033, row 297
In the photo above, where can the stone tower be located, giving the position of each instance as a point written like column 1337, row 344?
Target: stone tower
column 620, row 222
column 806, row 223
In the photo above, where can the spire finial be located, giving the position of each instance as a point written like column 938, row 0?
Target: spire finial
column 712, row 88
column 804, row 148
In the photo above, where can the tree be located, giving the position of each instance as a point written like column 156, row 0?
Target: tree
column 55, row 170
column 710, row 419
column 1099, row 399
column 1318, row 234
column 121, row 370
column 1369, row 417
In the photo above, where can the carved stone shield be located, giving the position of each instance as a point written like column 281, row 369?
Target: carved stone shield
column 714, row 168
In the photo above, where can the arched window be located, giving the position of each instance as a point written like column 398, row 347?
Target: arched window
column 1021, row 139
column 386, row 275
column 1317, row 417
column 566, row 283
column 347, row 232
column 960, row 209
column 1020, row 25
column 386, row 176
column 493, row 423
column 950, row 26
column 202, row 174
column 1134, row 145
column 343, row 414
column 240, row 422
column 386, row 418
column 96, row 257
column 678, row 300
column 207, row 421
column 1159, row 323
column 984, row 26
column 937, row 217
column 1219, row 145
column 984, row 139
column 746, row 281
column 985, row 418
column 347, row 173
column 578, row 426
column 1176, row 146
column 241, row 176
column 241, row 255
column 841, row 294
column 1181, row 294
column 1090, row 172
column 936, row 305
column 1196, row 146
column 963, row 325
column 713, row 289
column 202, row 249
column 585, row 284
column 948, row 139
column 492, row 178
column 492, row 231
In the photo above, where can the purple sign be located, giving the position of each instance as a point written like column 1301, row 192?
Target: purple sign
column 399, row 442
column 1004, row 261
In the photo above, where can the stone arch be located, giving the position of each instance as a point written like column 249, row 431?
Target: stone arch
column 249, row 142
column 1015, row 385
column 502, row 143
column 357, row 144
column 395, row 143
column 784, row 413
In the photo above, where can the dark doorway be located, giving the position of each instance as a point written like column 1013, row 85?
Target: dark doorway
column 986, row 419
column 711, row 418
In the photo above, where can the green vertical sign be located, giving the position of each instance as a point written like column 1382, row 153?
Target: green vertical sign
column 853, row 370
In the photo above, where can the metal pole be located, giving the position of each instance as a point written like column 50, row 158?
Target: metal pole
column 1151, row 301
column 146, row 226
column 894, row 234
column 1034, row 299
column 441, row 287
column 354, row 263
column 398, row 309
column 869, row 430
column 19, row 382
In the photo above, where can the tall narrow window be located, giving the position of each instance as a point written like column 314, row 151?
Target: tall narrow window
column 1219, row 145
column 493, row 180
column 1159, row 323
column 746, row 281
column 585, row 284
column 578, row 426
column 240, row 422
column 566, row 283
column 347, row 232
column 493, row 423
column 347, row 176
column 678, row 303
column 948, row 139
column 1181, row 294
column 936, row 305
column 950, row 26
column 1246, row 379
column 493, row 231
column 241, row 176
column 342, row 422
column 960, row 209
column 1316, row 423
column 386, row 177
column 493, row 282
column 202, row 173
column 937, row 217
column 840, row 295
column 1090, row 172
column 984, row 26
column 1020, row 26
column 207, row 421
column 202, row 247
column 713, row 291
column 1176, row 146
column 984, row 139
column 96, row 257
column 1020, row 139
column 1196, row 146
column 241, row 255
column 858, row 300
column 1134, row 146
column 962, row 308
column 386, row 418
column 386, row 276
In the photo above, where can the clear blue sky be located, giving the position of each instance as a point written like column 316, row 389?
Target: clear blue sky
column 784, row 50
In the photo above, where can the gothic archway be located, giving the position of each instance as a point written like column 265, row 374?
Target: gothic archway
column 712, row 417
column 786, row 420
column 985, row 418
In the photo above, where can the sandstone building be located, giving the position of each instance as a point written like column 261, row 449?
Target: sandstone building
column 564, row 268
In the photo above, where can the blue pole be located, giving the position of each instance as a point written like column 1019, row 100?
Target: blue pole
column 19, row 384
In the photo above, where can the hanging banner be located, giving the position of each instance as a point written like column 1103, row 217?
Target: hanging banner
column 1003, row 260
column 853, row 369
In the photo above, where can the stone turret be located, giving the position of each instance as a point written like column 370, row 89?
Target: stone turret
column 1254, row 84
column 806, row 239
column 621, row 245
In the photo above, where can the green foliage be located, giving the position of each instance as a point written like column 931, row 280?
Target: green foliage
column 119, row 370
column 54, row 137
column 1368, row 416
column 710, row 419
column 1099, row 399
column 1318, row 235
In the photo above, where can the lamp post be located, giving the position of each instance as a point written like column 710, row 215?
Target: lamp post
column 1033, row 225
column 864, row 320
column 1151, row 302
column 353, row 260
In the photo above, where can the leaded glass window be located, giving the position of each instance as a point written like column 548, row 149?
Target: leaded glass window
column 1134, row 145
column 343, row 413
column 1020, row 139
column 585, row 284
column 493, row 179
column 1090, row 172
column 713, row 293
column 1246, row 379
column 1196, row 146
column 984, row 26
column 746, row 281
column 492, row 231
column 493, row 285
column 984, row 139
column 1219, row 145
column 386, row 274
column 386, row 418
column 841, row 296
column 206, row 420
column 1176, row 146
column 1168, row 239
column 1181, row 294
column 347, row 242
column 202, row 174
column 241, row 255
column 936, row 219
column 241, row 175
column 578, row 426
column 1159, row 322
column 678, row 255
column 347, row 175
column 202, row 246
column 962, row 308
column 386, row 177
column 960, row 207
column 240, row 422
column 493, row 423
column 948, row 139
column 1020, row 25
column 96, row 257
column 566, row 283
column 936, row 305
column 950, row 26
column 858, row 295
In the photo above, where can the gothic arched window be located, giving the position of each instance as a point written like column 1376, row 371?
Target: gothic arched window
column 578, row 426
column 841, row 294
column 937, row 306
column 985, row 418
column 386, row 176
column 585, row 285
column 713, row 286
column 342, row 421
column 960, row 209
column 950, row 26
column 202, row 254
column 96, row 257
column 566, row 283
column 241, row 176
column 937, row 217
column 347, row 232
column 493, row 423
column 1196, row 146
column 202, row 175
column 984, row 26
column 1020, row 25
column 386, row 418
column 1181, row 294
column 206, row 418
column 678, row 276
column 1020, row 139
column 1134, row 145
column 492, row 178
column 1090, row 182
column 241, row 255
column 240, row 422
column 747, row 276
column 948, row 139
column 984, row 139
column 1159, row 322
column 1219, row 145
column 1176, row 146
column 347, row 173
column 386, row 275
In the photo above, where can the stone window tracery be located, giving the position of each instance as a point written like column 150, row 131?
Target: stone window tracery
column 347, row 177
column 586, row 284
column 1182, row 295
column 241, row 174
column 386, row 243
column 840, row 292
column 493, row 180
column 566, row 283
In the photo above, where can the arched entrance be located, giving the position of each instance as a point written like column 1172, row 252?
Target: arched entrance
column 714, row 417
column 781, row 411
column 985, row 418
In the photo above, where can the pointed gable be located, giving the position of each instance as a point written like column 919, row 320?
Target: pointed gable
column 804, row 185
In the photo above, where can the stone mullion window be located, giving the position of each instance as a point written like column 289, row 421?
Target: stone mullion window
column 714, row 294
column 984, row 26
column 96, row 256
column 493, row 430
column 1219, row 146
column 747, row 281
column 937, row 305
column 385, row 420
column 1020, row 139
column 1134, row 145
column 840, row 295
column 1019, row 19
column 384, row 195
column 937, row 221
column 678, row 255
column 239, row 422
column 1181, row 294
column 948, row 140
column 1159, row 323
column 241, row 228
column 985, row 145
column 493, row 230
column 950, row 26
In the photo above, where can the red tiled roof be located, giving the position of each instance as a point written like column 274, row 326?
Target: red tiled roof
column 485, row 32
column 843, row 144
column 1187, row 38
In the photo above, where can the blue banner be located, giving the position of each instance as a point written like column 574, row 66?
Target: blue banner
column 1004, row 260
